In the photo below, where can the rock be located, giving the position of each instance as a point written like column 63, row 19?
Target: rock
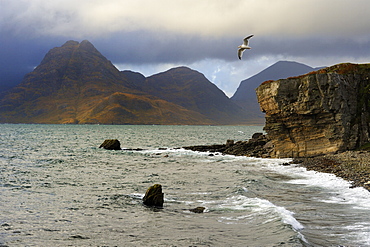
column 111, row 144
column 197, row 210
column 229, row 143
column 154, row 196
column 207, row 148
column 258, row 146
column 255, row 147
column 133, row 149
column 322, row 112
column 257, row 135
column 79, row 237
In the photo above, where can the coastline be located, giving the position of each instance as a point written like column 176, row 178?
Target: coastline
column 353, row 166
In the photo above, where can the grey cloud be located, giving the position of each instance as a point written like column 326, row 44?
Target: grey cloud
column 146, row 47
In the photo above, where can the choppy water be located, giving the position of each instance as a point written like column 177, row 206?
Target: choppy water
column 59, row 189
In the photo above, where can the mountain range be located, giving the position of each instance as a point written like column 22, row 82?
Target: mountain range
column 76, row 84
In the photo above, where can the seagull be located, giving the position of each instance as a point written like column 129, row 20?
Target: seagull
column 244, row 46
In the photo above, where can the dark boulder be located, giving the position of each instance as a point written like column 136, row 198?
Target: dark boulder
column 207, row 148
column 111, row 144
column 154, row 196
column 257, row 135
column 254, row 147
column 229, row 143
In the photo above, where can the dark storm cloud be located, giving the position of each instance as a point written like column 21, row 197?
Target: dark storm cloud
column 19, row 56
column 145, row 47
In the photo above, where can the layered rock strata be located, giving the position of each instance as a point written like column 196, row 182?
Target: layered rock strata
column 325, row 111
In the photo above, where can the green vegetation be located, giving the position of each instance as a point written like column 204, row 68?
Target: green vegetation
column 365, row 147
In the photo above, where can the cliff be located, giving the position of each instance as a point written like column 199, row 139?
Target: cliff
column 245, row 95
column 321, row 112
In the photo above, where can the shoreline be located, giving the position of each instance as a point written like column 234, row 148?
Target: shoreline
column 352, row 166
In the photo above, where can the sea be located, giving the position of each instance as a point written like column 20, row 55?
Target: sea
column 58, row 188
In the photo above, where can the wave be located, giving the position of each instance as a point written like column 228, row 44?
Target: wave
column 258, row 206
column 340, row 190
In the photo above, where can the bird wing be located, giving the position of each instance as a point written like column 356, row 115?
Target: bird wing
column 246, row 39
column 240, row 52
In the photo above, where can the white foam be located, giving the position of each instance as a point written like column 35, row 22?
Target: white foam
column 339, row 189
column 357, row 232
column 255, row 206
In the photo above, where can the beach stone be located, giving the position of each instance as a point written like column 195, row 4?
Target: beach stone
column 154, row 196
column 111, row 144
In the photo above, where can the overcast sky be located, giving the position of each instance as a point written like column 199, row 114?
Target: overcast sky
column 152, row 36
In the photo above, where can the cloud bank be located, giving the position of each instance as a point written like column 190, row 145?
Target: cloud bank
column 188, row 17
column 204, row 34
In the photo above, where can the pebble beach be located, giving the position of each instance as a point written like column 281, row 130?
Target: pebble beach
column 353, row 166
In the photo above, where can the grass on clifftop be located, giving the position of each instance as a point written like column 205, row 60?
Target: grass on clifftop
column 365, row 147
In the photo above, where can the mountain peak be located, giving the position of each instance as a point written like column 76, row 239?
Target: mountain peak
column 75, row 45
column 87, row 45
column 180, row 69
column 70, row 43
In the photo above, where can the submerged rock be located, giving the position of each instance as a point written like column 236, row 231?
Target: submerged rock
column 154, row 196
column 197, row 210
column 111, row 144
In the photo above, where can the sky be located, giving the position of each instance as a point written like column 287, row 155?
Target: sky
column 150, row 37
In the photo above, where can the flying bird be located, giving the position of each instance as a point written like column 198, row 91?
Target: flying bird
column 244, row 46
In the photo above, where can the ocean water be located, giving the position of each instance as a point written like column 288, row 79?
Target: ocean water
column 59, row 189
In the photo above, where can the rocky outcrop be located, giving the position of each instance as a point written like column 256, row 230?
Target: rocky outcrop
column 154, row 196
column 111, row 144
column 257, row 146
column 321, row 112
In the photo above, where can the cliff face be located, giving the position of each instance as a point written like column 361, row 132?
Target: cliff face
column 245, row 95
column 317, row 113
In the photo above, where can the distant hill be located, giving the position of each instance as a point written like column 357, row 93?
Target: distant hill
column 245, row 95
column 76, row 84
column 193, row 91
